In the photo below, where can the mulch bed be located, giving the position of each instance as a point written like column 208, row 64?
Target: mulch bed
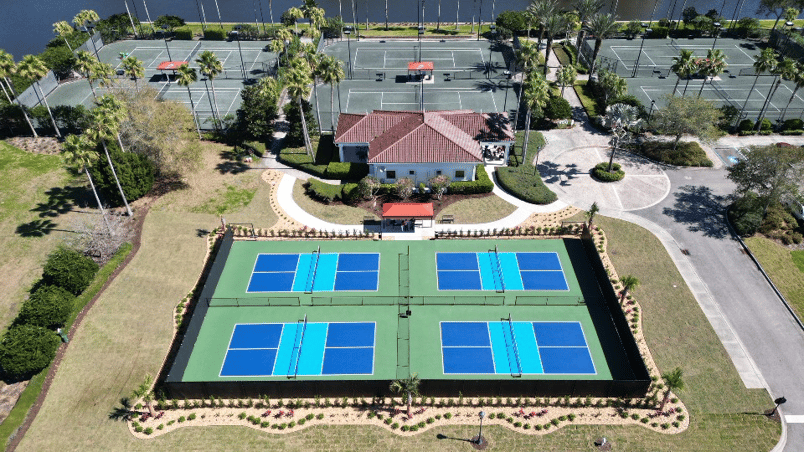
column 41, row 145
column 438, row 205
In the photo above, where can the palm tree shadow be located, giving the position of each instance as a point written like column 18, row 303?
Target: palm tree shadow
column 487, row 68
column 60, row 200
column 36, row 228
column 700, row 210
column 552, row 173
column 122, row 412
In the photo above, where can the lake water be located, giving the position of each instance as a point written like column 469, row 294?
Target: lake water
column 26, row 25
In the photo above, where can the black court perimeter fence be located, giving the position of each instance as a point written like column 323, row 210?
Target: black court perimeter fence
column 585, row 57
column 460, row 300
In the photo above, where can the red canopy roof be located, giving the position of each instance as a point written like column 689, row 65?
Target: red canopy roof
column 407, row 210
column 420, row 66
column 170, row 65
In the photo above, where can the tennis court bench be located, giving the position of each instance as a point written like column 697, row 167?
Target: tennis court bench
column 447, row 77
column 447, row 219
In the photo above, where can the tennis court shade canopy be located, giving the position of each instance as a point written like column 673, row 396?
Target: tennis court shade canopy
column 420, row 66
column 170, row 65
column 408, row 210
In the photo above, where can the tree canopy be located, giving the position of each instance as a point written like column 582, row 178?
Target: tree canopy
column 772, row 172
column 687, row 116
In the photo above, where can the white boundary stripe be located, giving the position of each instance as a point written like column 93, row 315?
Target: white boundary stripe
column 794, row 418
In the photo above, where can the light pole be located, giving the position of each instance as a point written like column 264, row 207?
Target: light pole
column 639, row 55
column 652, row 105
column 492, row 29
column 789, row 26
column 778, row 402
column 165, row 36
column 348, row 31
column 717, row 32
column 89, row 28
column 236, row 32
column 478, row 441
column 421, row 33
column 507, row 88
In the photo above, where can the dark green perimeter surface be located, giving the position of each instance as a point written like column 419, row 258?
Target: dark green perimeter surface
column 395, row 356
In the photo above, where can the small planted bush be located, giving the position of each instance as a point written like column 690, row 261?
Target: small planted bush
column 601, row 172
column 191, row 417
column 395, row 425
column 69, row 269
column 447, row 415
column 319, row 416
column 182, row 419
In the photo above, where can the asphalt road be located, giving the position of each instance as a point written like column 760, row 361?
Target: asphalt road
column 694, row 215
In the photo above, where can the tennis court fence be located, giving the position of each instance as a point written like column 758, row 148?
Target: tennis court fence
column 557, row 300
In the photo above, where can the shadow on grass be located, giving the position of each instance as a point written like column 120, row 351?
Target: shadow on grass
column 700, row 210
column 60, row 200
column 36, row 228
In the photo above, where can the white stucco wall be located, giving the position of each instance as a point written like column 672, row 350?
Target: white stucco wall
column 422, row 172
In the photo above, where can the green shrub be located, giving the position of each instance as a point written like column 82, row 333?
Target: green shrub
column 49, row 307
column 447, row 415
column 69, row 269
column 525, row 183
column 27, row 349
column 295, row 136
column 792, row 124
column 481, row 184
column 212, row 34
column 658, row 32
column 766, row 125
column 319, row 416
column 746, row 214
column 183, row 34
column 686, row 153
column 746, row 127
column 346, row 171
column 138, row 429
column 323, row 191
column 134, row 171
column 149, row 430
column 557, row 108
column 512, row 20
column 160, row 427
column 601, row 173
column 191, row 417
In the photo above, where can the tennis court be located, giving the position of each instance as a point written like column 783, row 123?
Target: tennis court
column 275, row 349
column 466, row 75
column 646, row 68
column 315, row 272
column 500, row 271
column 250, row 61
column 264, row 318
column 516, row 348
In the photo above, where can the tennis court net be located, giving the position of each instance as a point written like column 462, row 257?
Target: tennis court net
column 298, row 349
column 499, row 272
column 516, row 368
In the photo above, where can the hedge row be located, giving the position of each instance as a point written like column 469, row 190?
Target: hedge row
column 525, row 183
column 686, row 153
column 481, row 184
column 332, row 170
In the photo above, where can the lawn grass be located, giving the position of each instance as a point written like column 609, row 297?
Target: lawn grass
column 337, row 213
column 120, row 342
column 478, row 210
column 783, row 267
column 587, row 99
column 39, row 201
column 522, row 180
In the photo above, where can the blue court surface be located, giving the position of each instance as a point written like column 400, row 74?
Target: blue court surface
column 500, row 271
column 553, row 348
column 315, row 272
column 292, row 349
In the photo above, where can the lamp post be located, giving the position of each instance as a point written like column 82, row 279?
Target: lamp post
column 507, row 88
column 236, row 32
column 778, row 402
column 493, row 30
column 789, row 25
column 639, row 55
column 421, row 33
column 652, row 105
column 164, row 37
column 348, row 31
column 89, row 28
column 478, row 441
column 717, row 32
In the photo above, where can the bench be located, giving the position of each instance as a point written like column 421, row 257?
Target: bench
column 447, row 219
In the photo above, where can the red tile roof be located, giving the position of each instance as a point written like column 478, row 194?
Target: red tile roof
column 422, row 137
column 407, row 210
column 420, row 66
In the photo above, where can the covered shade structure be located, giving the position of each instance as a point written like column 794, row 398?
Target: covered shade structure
column 418, row 70
column 406, row 216
column 169, row 66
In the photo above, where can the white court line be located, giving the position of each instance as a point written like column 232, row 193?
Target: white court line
column 460, row 102
column 744, row 52
column 423, row 58
column 384, row 54
column 233, row 101
column 452, row 53
column 492, row 99
column 794, row 418
column 153, row 64
column 651, row 59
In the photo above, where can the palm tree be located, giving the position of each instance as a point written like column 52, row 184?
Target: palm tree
column 284, row 36
column 673, row 380
column 298, row 85
column 276, row 46
column 86, row 64
column 629, row 282
column 295, row 14
column 565, row 76
column 187, row 76
column 63, row 29
column 105, row 124
column 601, row 26
column 528, row 57
column 77, row 153
column 103, row 73
column 331, row 73
column 540, row 10
column 7, row 67
column 590, row 214
column 585, row 9
column 683, row 66
column 85, row 15
column 620, row 117
column 714, row 65
column 797, row 77
column 765, row 62
column 784, row 70
column 211, row 66
column 553, row 24
column 536, row 94
column 133, row 68
column 145, row 392
column 33, row 69
column 314, row 60
column 410, row 387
